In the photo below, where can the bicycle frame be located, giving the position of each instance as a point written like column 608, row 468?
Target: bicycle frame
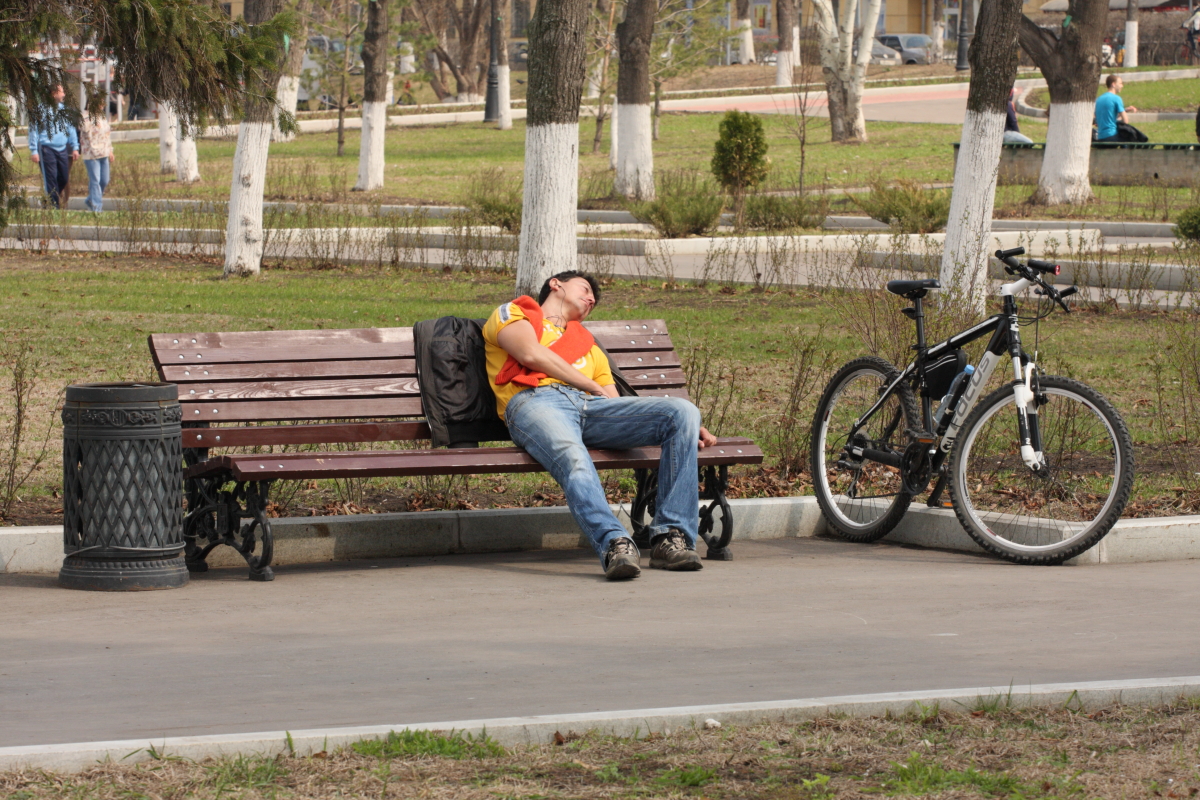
column 1006, row 338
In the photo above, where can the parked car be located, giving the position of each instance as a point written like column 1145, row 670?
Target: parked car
column 913, row 47
column 881, row 55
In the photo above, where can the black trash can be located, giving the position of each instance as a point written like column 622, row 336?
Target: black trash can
column 122, row 487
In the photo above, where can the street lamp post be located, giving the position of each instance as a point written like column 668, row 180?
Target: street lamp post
column 964, row 33
column 491, row 109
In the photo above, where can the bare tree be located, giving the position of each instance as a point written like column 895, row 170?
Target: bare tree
column 557, row 35
column 937, row 30
column 501, row 18
column 288, row 91
column 744, row 28
column 465, row 58
column 377, row 74
column 1069, row 58
column 1131, row 34
column 787, row 18
column 993, row 57
column 244, row 232
column 635, row 159
column 167, row 127
column 844, row 72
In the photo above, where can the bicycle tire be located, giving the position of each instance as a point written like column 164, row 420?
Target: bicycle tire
column 1060, row 511
column 851, row 517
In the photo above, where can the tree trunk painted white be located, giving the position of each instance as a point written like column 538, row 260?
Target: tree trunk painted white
column 468, row 97
column 745, row 39
column 796, row 44
column 1064, row 175
column 614, row 134
column 964, row 271
column 595, row 79
column 287, row 94
column 503, row 75
column 1131, row 42
column 547, row 244
column 187, row 167
column 167, row 124
column 635, row 161
column 408, row 64
column 785, row 68
column 244, row 233
column 938, row 34
column 370, row 151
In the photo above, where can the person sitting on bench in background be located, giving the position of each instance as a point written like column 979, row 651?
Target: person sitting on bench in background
column 555, row 390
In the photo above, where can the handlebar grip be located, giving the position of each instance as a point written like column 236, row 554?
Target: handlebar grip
column 1005, row 254
column 1044, row 266
column 1069, row 291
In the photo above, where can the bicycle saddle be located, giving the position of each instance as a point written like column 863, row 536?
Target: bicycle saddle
column 913, row 289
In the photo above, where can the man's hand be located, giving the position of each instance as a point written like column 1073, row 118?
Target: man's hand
column 36, row 158
column 706, row 438
column 74, row 155
column 1130, row 110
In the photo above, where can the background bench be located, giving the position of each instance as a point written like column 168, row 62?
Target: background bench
column 280, row 390
column 1111, row 164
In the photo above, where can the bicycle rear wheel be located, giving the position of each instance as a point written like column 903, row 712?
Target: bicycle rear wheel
column 1064, row 508
column 862, row 500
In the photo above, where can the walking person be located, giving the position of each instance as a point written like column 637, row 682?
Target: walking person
column 95, row 144
column 54, row 149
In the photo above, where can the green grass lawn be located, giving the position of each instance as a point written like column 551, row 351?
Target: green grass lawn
column 1180, row 95
column 436, row 164
column 87, row 319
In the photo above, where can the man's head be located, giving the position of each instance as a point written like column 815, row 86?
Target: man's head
column 57, row 93
column 1114, row 83
column 577, row 293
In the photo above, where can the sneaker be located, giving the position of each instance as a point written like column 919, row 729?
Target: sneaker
column 672, row 552
column 621, row 562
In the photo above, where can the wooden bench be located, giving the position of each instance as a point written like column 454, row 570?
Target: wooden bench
column 250, row 394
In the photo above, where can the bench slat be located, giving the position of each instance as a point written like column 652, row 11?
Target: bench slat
column 307, row 466
column 642, row 359
column 269, row 390
column 291, row 352
column 281, row 410
column 272, row 340
column 335, row 433
column 363, row 368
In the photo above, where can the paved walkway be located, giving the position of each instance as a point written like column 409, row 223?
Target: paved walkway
column 481, row 636
column 944, row 103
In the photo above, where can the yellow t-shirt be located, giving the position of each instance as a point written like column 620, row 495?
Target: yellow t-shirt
column 593, row 365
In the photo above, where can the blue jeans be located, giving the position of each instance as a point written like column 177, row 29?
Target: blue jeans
column 56, row 171
column 557, row 424
column 97, row 170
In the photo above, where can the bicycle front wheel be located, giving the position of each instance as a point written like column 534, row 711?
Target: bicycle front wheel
column 861, row 499
column 1065, row 507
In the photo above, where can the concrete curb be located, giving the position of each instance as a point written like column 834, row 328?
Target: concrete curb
column 1024, row 85
column 540, row 730
column 314, row 540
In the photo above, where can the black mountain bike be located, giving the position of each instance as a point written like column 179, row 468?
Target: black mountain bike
column 1038, row 471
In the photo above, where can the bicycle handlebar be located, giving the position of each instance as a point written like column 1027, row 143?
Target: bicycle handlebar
column 1031, row 269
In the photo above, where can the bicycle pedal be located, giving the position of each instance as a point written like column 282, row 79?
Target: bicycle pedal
column 924, row 437
column 945, row 504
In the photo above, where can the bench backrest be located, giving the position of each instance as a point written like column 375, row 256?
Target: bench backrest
column 365, row 377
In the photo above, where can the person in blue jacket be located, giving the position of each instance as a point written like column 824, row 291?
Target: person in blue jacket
column 1110, row 110
column 54, row 149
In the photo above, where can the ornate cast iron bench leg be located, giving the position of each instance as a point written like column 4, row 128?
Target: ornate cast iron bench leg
column 716, row 481
column 215, row 515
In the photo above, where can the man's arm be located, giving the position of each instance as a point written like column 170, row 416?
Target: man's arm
column 520, row 342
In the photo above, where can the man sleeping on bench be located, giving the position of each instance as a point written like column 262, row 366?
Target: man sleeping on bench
column 555, row 390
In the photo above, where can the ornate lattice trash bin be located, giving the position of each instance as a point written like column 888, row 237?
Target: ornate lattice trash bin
column 122, row 487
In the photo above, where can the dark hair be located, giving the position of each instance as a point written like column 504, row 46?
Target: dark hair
column 562, row 277
column 1111, row 79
